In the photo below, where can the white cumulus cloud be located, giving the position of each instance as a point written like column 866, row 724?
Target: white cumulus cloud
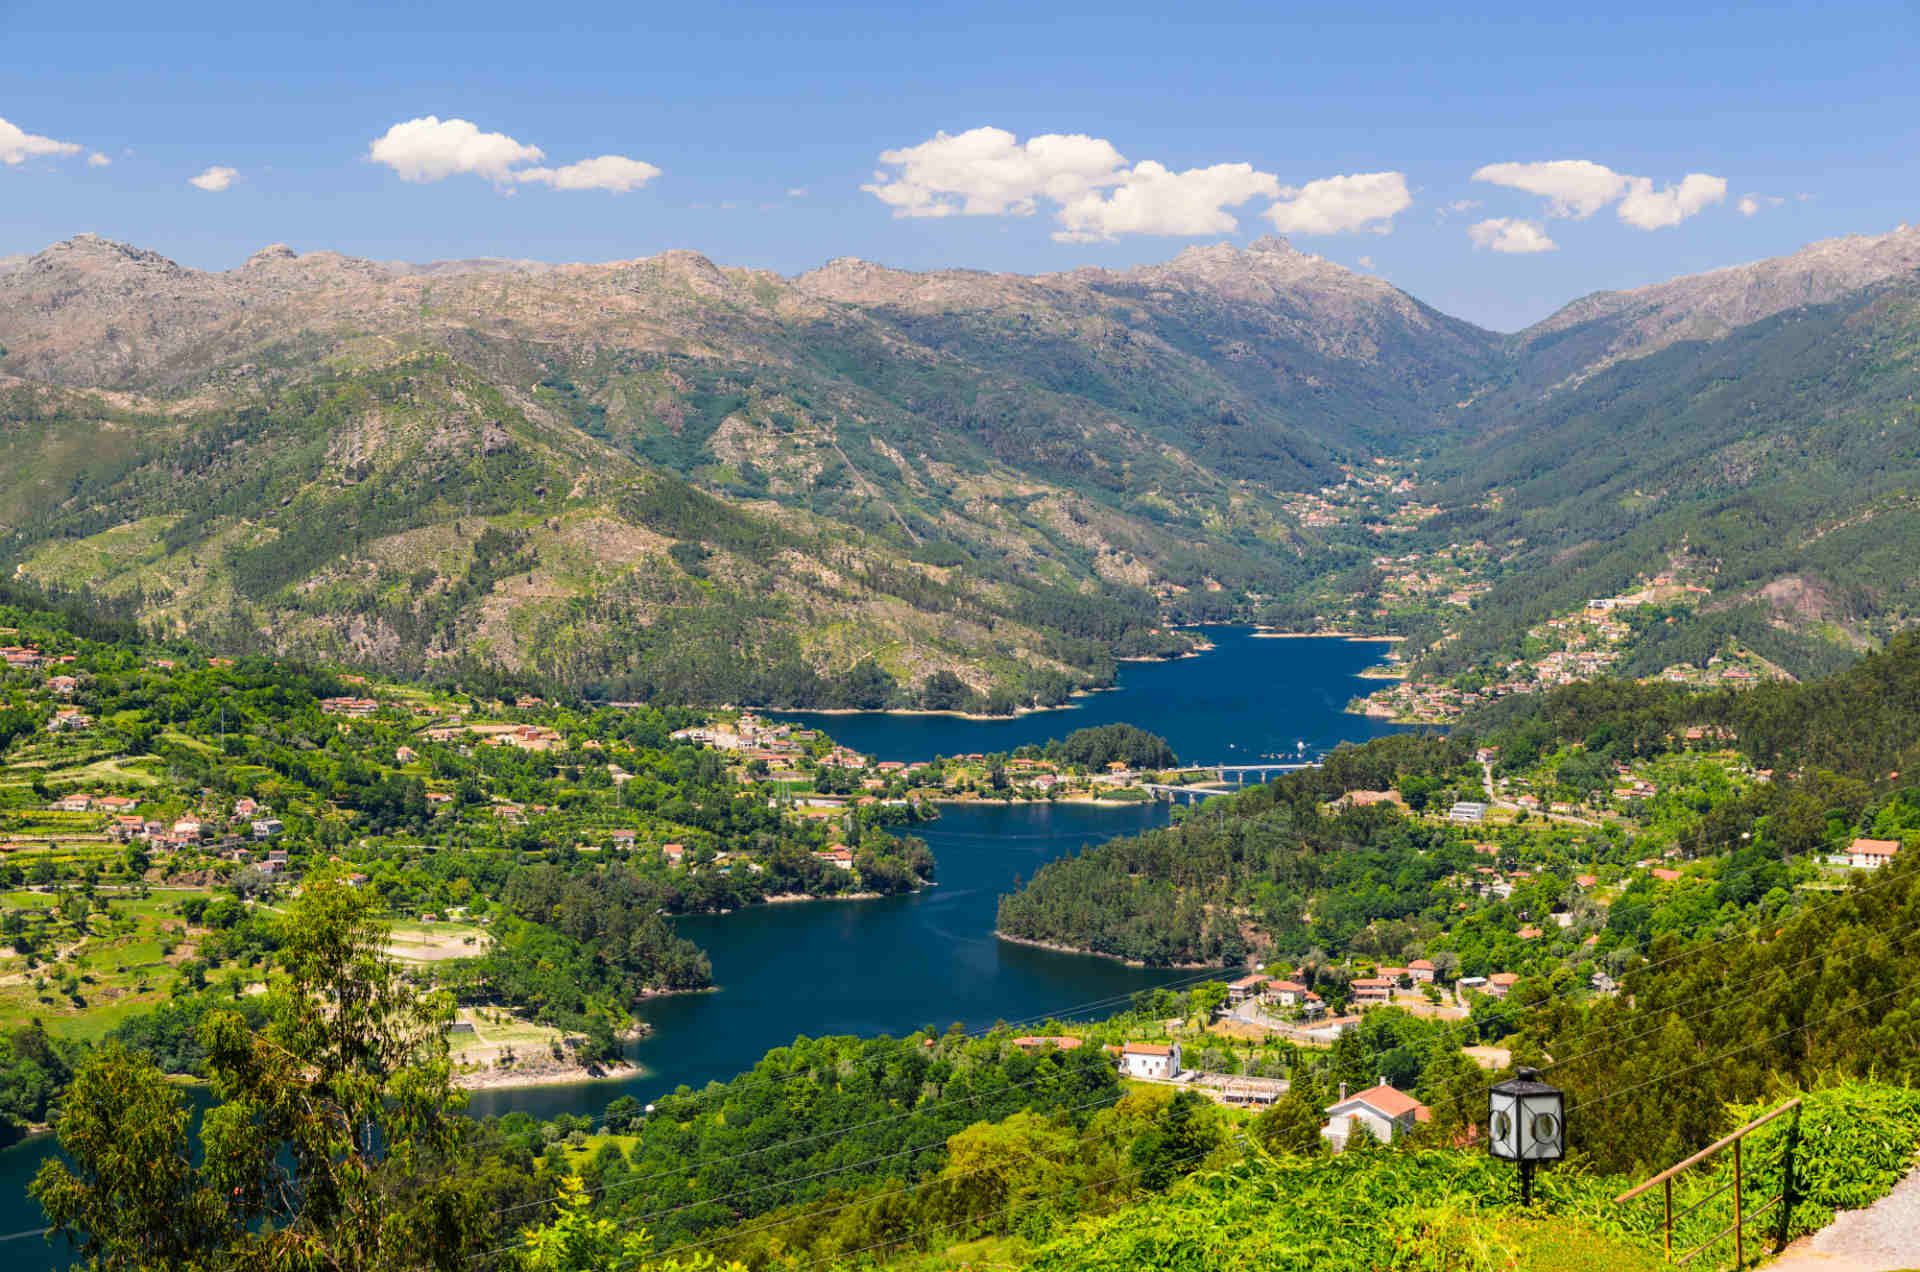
column 97, row 160
column 433, row 149
column 1574, row 187
column 607, row 172
column 1096, row 194
column 1646, row 208
column 990, row 172
column 1511, row 235
column 1577, row 188
column 1752, row 203
column 1153, row 199
column 1334, row 205
column 17, row 145
column 214, row 179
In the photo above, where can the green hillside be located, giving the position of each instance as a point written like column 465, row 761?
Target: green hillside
column 1776, row 466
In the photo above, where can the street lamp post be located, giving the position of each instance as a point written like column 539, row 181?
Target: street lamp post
column 1526, row 1123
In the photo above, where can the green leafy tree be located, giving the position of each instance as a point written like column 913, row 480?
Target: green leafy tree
column 319, row 1152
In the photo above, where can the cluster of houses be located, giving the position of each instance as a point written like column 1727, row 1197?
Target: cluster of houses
column 1381, row 1111
column 1415, row 575
column 783, row 752
column 1719, row 671
column 28, row 657
column 248, row 822
column 753, row 737
column 1387, row 983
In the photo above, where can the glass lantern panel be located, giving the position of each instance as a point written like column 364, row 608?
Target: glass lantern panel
column 1503, row 1125
column 1541, row 1128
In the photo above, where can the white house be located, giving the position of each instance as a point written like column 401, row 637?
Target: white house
column 1380, row 1111
column 1421, row 970
column 1150, row 1060
column 1869, row 854
column 1371, row 989
column 1246, row 987
column 1285, row 993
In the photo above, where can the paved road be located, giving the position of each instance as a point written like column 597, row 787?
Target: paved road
column 1885, row 1237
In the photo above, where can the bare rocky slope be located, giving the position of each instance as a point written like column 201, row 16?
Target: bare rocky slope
column 665, row 475
column 857, row 485
column 1597, row 331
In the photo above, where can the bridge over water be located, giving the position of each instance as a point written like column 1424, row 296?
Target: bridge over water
column 1195, row 793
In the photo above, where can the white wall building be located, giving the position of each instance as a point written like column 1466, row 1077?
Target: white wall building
column 1150, row 1060
column 1380, row 1111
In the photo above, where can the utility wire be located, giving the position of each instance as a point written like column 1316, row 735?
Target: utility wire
column 734, row 1233
column 840, row 1131
column 1748, row 1046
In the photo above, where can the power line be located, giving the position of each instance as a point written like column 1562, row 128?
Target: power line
column 1004, row 1211
column 734, row 1233
column 730, row 1089
column 1748, row 1046
column 1462, row 1025
column 1665, row 1012
column 741, row 1083
column 1663, row 1077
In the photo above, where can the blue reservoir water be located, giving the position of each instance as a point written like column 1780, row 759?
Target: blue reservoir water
column 892, row 965
column 1251, row 697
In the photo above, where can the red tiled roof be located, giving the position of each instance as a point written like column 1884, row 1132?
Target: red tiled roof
column 1388, row 1100
column 1145, row 1049
column 1875, row 847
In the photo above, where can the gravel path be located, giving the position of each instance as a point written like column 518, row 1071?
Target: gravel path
column 1885, row 1237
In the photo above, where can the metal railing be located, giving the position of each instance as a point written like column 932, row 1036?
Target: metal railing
column 1742, row 1216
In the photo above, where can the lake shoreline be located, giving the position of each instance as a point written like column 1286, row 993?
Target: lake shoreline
column 1078, row 801
column 559, row 1075
column 1351, row 637
column 1059, row 948
column 796, row 898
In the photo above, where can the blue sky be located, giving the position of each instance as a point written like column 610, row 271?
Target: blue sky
column 764, row 122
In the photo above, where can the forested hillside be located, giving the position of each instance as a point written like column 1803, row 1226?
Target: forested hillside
column 1774, row 467
column 661, row 478
column 151, row 793
column 1302, row 867
column 865, row 487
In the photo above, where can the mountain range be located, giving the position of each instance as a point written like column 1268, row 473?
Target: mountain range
column 862, row 486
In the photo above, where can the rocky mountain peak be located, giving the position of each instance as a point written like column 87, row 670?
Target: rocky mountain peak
column 851, row 280
column 1627, row 324
column 91, row 252
column 680, row 267
column 271, row 254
